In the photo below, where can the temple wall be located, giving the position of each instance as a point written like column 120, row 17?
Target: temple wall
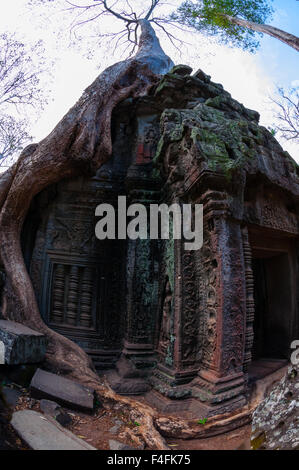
column 174, row 323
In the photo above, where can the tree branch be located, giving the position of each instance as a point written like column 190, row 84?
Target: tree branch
column 287, row 114
column 117, row 15
column 277, row 33
column 149, row 13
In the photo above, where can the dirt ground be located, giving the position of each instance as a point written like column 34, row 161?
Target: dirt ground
column 104, row 425
column 9, row 440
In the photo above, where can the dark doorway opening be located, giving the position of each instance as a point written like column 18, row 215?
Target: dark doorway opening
column 273, row 305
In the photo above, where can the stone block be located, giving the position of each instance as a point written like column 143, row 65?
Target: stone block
column 61, row 390
column 116, row 445
column 22, row 345
column 43, row 433
column 54, row 410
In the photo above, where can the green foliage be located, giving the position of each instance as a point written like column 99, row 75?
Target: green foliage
column 272, row 130
column 135, row 423
column 209, row 17
column 202, row 421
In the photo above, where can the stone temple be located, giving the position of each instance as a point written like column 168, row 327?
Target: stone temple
column 187, row 329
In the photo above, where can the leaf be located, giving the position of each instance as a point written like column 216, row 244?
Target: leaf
column 202, row 421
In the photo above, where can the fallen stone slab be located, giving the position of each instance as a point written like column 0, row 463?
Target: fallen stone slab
column 20, row 344
column 43, row 433
column 61, row 390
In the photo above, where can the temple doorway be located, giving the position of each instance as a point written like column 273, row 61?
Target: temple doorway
column 274, row 275
column 273, row 305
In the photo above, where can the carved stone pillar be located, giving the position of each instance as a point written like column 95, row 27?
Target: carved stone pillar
column 249, row 299
column 220, row 383
column 177, row 329
column 137, row 358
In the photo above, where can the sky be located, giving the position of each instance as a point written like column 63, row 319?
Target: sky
column 250, row 78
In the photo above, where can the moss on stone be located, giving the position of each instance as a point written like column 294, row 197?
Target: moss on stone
column 181, row 70
column 227, row 134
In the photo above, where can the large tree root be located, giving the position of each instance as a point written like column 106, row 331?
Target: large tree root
column 79, row 144
column 190, row 429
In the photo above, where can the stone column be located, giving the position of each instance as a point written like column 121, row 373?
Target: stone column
column 220, row 382
column 137, row 358
column 177, row 329
column 249, row 299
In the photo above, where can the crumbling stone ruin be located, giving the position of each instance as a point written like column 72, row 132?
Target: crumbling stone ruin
column 184, row 328
column 276, row 420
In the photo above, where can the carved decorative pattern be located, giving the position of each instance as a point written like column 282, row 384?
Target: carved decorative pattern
column 140, row 302
column 79, row 280
column 58, row 295
column 72, row 235
column 249, row 335
column 72, row 297
column 209, row 301
column 166, row 301
column 233, row 348
column 165, row 323
column 147, row 144
column 86, row 298
column 190, row 317
column 277, row 217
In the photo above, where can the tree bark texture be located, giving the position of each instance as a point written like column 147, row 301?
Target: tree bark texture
column 287, row 38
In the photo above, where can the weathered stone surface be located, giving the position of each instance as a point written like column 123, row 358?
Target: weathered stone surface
column 116, row 445
column 41, row 433
column 275, row 423
column 2, row 353
column 51, row 408
column 192, row 326
column 128, row 386
column 181, row 70
column 63, row 391
column 22, row 345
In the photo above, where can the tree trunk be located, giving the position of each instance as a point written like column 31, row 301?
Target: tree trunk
column 283, row 36
column 79, row 144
